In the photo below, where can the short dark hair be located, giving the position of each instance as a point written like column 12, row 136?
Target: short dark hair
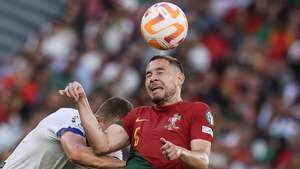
column 114, row 107
column 172, row 60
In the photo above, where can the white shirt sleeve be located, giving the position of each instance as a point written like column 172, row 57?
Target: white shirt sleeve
column 65, row 119
column 117, row 154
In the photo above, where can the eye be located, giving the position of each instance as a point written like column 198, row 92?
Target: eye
column 148, row 75
column 160, row 72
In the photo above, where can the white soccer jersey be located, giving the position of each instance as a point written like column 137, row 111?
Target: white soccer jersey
column 41, row 148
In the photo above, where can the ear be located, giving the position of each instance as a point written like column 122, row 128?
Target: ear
column 181, row 78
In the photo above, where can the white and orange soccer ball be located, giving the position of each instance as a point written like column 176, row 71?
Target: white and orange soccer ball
column 164, row 25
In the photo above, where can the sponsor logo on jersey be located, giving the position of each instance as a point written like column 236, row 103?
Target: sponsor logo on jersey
column 172, row 122
column 141, row 120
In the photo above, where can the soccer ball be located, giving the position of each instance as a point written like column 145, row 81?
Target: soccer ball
column 164, row 25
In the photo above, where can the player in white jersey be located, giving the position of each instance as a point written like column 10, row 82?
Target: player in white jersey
column 59, row 142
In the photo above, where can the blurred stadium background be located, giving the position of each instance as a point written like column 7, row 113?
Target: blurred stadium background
column 242, row 57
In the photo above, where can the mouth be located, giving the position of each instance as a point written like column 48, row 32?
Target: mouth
column 156, row 88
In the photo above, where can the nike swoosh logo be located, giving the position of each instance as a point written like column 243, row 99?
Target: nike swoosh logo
column 141, row 120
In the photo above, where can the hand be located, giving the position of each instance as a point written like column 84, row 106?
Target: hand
column 74, row 90
column 170, row 150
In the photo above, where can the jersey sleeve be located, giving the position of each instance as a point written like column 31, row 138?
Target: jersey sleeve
column 67, row 120
column 202, row 123
column 128, row 122
column 117, row 155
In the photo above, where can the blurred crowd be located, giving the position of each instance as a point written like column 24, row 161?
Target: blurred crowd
column 242, row 57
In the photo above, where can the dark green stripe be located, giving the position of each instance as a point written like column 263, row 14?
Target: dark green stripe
column 137, row 161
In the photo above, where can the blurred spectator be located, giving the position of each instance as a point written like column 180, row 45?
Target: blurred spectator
column 120, row 77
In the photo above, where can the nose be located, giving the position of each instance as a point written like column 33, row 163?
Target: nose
column 153, row 78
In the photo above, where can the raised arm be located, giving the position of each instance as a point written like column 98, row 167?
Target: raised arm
column 75, row 148
column 102, row 142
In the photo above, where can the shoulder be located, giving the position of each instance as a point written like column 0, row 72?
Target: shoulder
column 138, row 111
column 201, row 110
column 62, row 115
column 196, row 109
column 199, row 106
column 141, row 109
column 67, row 110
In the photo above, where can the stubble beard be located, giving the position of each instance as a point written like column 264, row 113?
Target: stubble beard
column 158, row 101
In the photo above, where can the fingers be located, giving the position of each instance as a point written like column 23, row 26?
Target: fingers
column 78, row 88
column 163, row 141
column 169, row 150
column 171, row 156
column 168, row 153
column 67, row 91
column 73, row 90
column 62, row 92
column 166, row 146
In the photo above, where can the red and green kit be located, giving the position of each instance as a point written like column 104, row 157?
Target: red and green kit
column 178, row 123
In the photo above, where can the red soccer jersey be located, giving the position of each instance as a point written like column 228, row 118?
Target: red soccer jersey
column 179, row 123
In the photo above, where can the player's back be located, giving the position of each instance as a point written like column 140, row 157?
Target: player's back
column 41, row 148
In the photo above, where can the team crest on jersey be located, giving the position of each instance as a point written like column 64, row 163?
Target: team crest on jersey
column 209, row 118
column 172, row 122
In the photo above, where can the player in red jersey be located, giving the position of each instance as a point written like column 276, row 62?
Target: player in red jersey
column 172, row 134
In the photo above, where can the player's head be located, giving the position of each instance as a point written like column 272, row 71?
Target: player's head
column 112, row 110
column 164, row 79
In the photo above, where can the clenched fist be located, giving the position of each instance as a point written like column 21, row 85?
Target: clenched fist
column 74, row 91
column 170, row 150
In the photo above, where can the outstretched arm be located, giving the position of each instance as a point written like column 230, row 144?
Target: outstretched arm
column 75, row 148
column 102, row 142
